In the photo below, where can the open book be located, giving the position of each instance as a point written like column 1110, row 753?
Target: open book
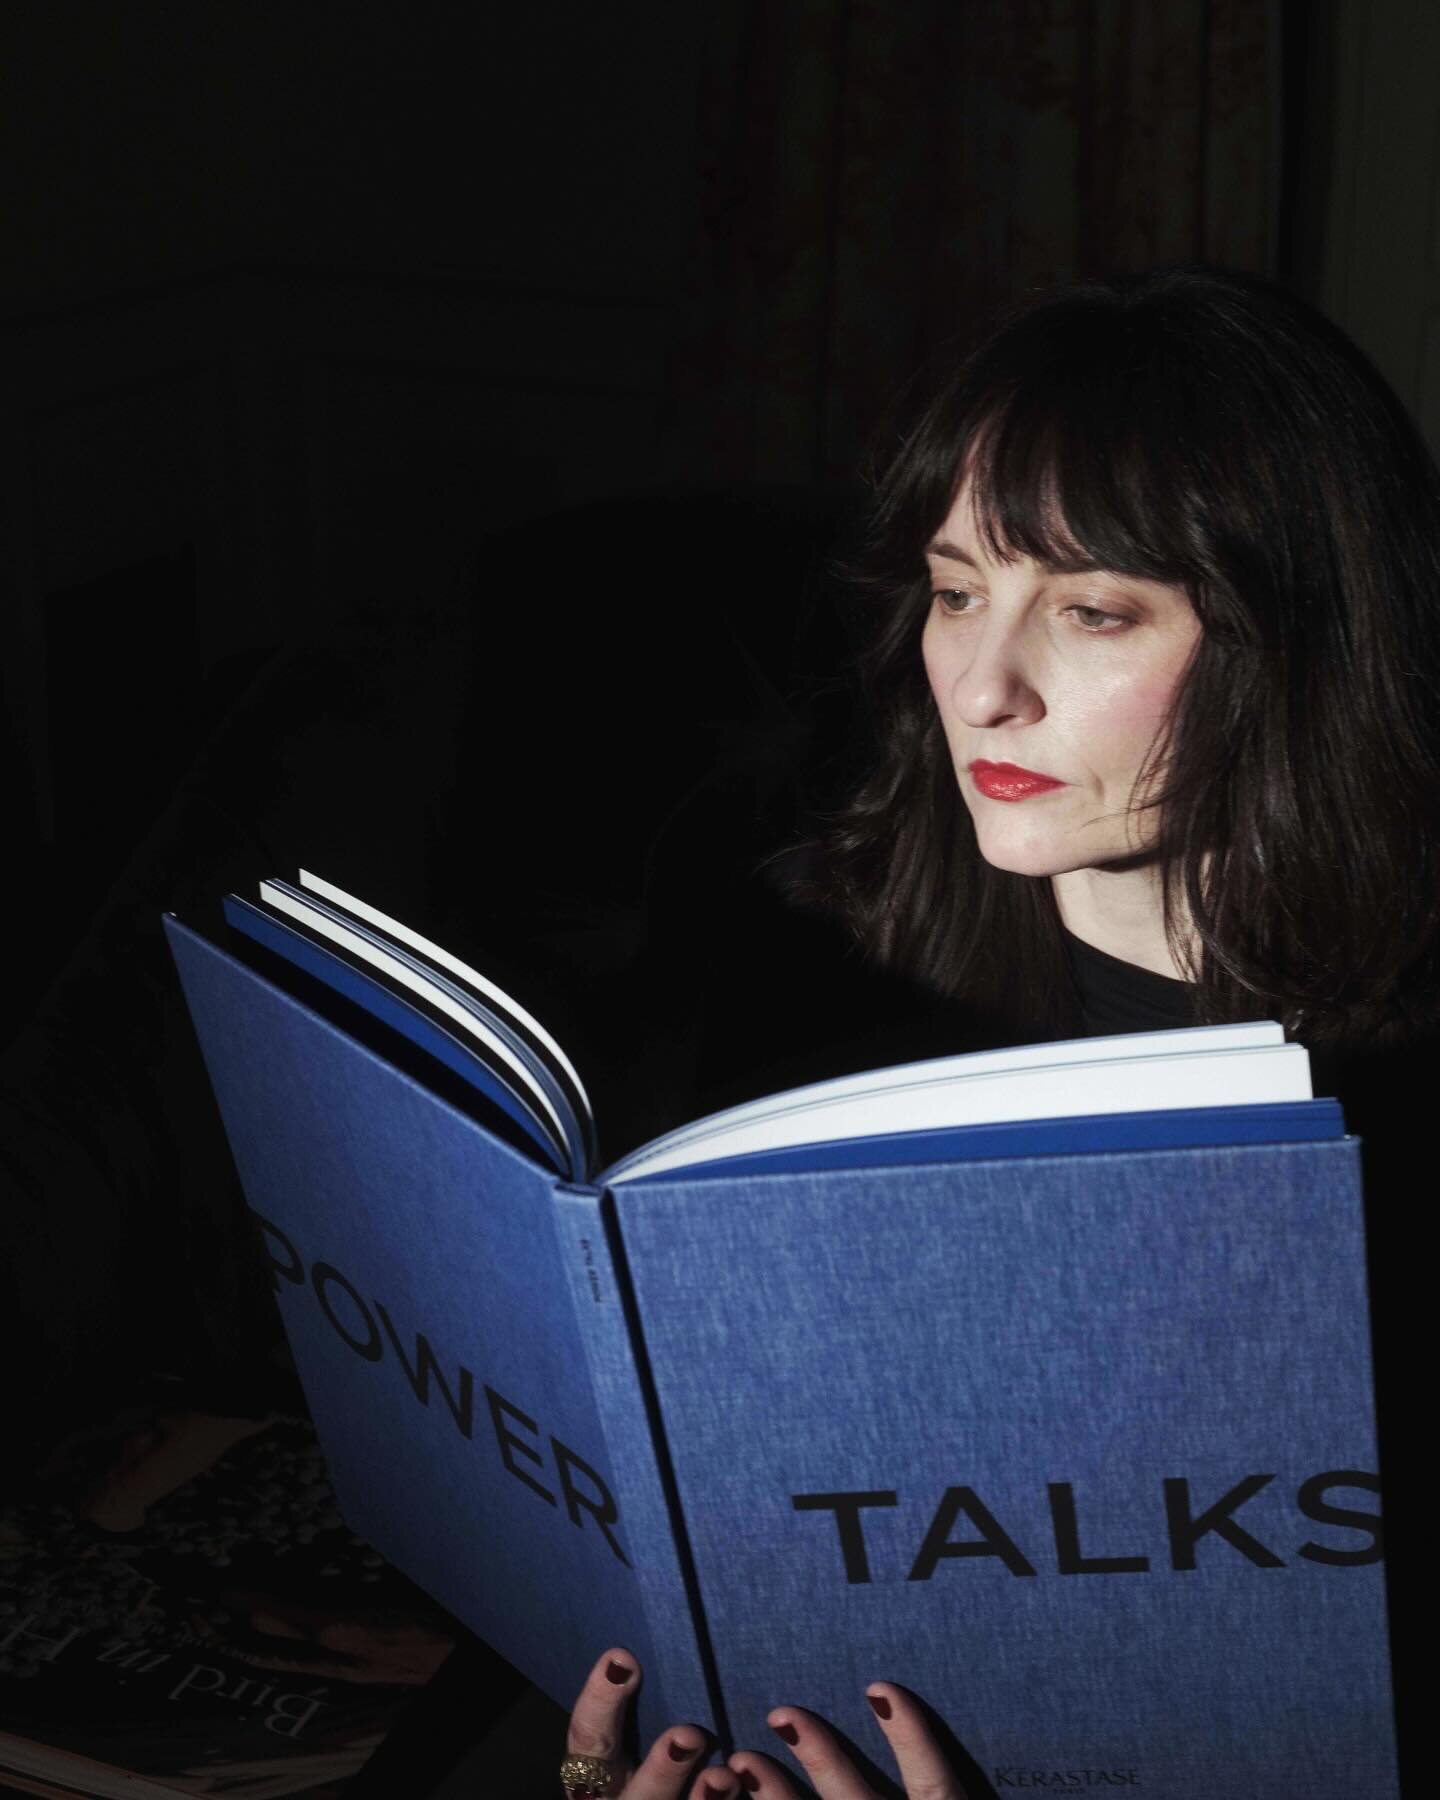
column 452, row 1012
column 1037, row 1380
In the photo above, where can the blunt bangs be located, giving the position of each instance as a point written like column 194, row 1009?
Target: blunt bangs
column 1049, row 484
column 1084, row 449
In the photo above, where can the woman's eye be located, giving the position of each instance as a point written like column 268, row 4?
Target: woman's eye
column 954, row 600
column 1095, row 619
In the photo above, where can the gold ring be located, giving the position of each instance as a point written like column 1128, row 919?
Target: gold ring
column 587, row 1777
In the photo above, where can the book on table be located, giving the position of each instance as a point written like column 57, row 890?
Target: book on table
column 1036, row 1380
column 184, row 1613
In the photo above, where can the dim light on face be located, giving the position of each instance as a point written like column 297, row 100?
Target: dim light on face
column 1053, row 688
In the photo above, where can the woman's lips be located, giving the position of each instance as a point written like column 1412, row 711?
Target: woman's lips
column 1007, row 781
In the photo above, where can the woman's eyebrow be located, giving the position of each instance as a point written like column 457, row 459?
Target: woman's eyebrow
column 951, row 552
column 1078, row 564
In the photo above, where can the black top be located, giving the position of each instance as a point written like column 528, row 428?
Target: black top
column 1117, row 996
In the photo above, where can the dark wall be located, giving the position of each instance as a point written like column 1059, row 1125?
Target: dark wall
column 543, row 144
column 334, row 335
column 303, row 302
column 299, row 303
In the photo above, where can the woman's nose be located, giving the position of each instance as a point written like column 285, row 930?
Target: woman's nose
column 997, row 685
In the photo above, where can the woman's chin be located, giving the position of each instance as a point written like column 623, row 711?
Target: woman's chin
column 1023, row 858
column 1047, row 853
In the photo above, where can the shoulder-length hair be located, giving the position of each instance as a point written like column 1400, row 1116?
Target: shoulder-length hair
column 1208, row 430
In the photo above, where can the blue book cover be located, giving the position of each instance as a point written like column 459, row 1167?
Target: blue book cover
column 424, row 1273
column 1078, row 1446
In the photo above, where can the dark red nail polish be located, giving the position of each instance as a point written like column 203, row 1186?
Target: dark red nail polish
column 788, row 1732
column 880, row 1705
column 682, row 1752
column 616, row 1672
column 749, row 1779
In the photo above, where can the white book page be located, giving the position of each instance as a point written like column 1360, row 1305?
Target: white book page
column 452, row 965
column 1190, row 1041
column 427, row 990
column 1174, row 1081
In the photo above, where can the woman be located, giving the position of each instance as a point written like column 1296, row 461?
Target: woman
column 1156, row 581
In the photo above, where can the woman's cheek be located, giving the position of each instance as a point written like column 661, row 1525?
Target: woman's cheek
column 1134, row 710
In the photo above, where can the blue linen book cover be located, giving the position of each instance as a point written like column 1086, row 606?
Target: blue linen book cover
column 1080, row 1448
column 422, row 1270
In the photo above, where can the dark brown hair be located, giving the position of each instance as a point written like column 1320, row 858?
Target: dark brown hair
column 1208, row 430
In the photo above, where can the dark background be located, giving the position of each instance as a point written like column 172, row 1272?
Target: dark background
column 424, row 431
column 302, row 301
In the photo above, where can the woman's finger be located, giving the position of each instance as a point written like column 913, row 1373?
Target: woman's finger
column 759, row 1776
column 674, row 1757
column 819, row 1753
column 597, row 1724
column 597, row 1727
column 923, row 1768
column 718, row 1784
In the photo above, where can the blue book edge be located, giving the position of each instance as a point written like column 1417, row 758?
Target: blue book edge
column 397, row 1014
column 1192, row 1128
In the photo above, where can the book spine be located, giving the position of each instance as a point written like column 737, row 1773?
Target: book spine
column 682, row 1686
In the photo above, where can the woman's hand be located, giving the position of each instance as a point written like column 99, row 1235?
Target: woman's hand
column 923, row 1770
column 597, row 1724
column 596, row 1729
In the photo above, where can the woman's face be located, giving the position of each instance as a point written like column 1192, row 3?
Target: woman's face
column 1051, row 688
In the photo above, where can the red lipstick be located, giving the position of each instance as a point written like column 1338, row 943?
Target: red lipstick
column 1007, row 781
